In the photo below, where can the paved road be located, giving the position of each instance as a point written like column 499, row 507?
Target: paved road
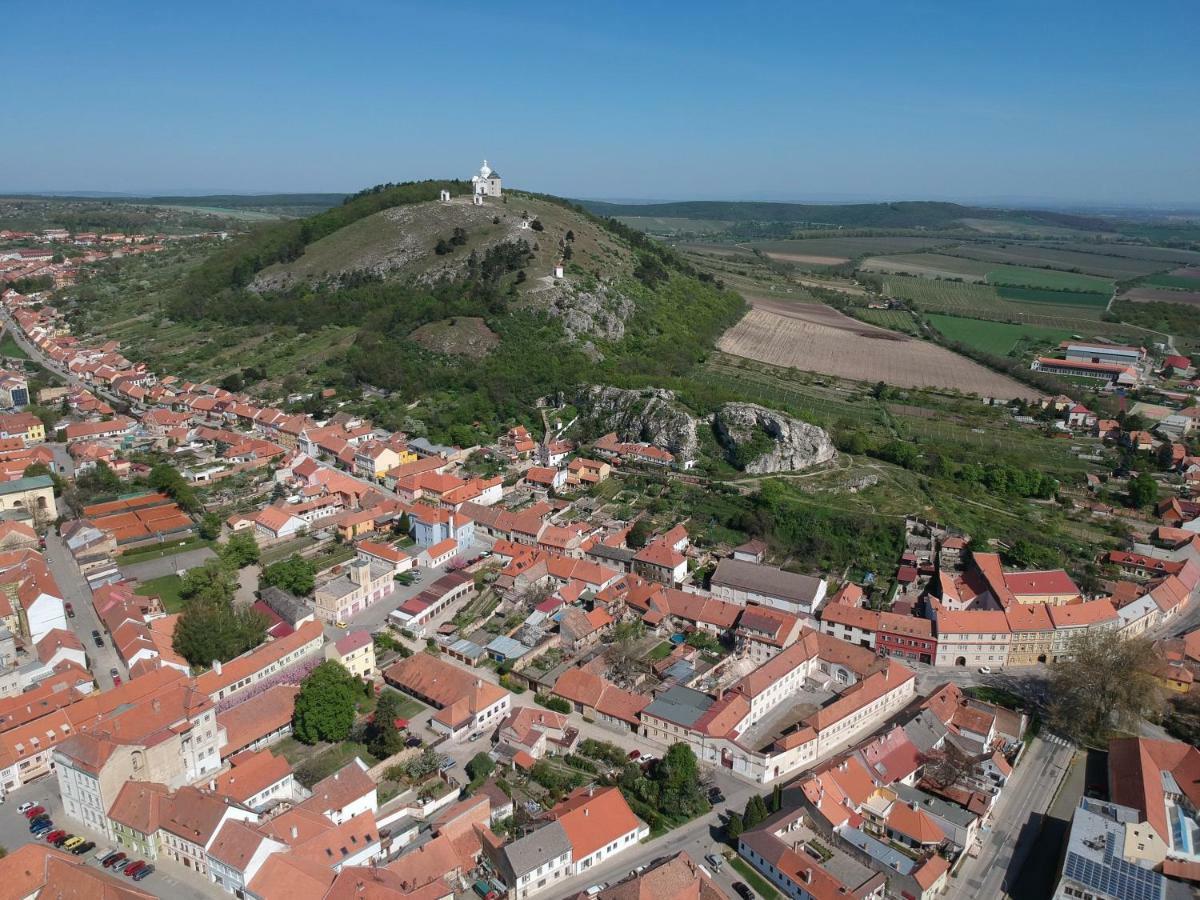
column 168, row 880
column 166, row 565
column 76, row 592
column 1014, row 823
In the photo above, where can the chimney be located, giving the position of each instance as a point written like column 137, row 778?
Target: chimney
column 156, row 703
column 807, row 876
column 295, row 832
column 216, row 666
column 212, row 784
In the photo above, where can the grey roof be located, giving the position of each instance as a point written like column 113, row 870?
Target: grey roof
column 507, row 647
column 26, row 484
column 680, row 705
column 877, row 850
column 617, row 554
column 464, row 647
column 537, row 848
column 935, row 806
column 425, row 447
column 289, row 607
column 926, row 731
column 766, row 580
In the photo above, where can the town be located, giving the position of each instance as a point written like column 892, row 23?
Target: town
column 414, row 670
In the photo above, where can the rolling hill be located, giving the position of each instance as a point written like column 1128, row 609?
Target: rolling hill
column 907, row 214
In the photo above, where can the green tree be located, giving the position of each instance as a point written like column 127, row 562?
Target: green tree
column 383, row 737
column 638, row 534
column 210, row 626
column 776, row 798
column 480, row 766
column 211, row 583
column 403, row 526
column 1143, row 491
column 210, row 526
column 756, row 812
column 32, row 471
column 295, row 574
column 1103, row 684
column 165, row 478
column 734, row 827
column 325, row 706
column 241, row 550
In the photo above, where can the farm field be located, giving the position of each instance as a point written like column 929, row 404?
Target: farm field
column 1054, row 298
column 934, row 265
column 997, row 338
column 893, row 319
column 1053, row 258
column 820, row 339
column 1162, row 295
column 1022, row 276
column 849, row 246
column 1188, row 280
column 1133, row 251
column 984, row 302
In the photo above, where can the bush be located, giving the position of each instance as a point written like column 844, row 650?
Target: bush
column 557, row 704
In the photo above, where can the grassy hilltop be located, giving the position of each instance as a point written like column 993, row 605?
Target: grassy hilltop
column 451, row 306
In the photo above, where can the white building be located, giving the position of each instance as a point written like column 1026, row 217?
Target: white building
column 486, row 183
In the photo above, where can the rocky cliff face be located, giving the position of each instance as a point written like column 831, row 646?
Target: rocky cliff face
column 650, row 415
column 759, row 440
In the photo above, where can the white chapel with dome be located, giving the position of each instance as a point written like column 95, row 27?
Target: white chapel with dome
column 486, row 183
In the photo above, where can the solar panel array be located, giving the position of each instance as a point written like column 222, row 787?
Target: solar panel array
column 1118, row 878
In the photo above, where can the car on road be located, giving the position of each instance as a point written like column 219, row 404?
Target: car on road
column 31, row 811
column 743, row 890
column 70, row 610
column 26, row 806
column 985, row 670
column 340, row 624
column 143, row 872
column 447, row 762
column 113, row 860
column 99, row 641
column 84, row 848
column 114, row 674
column 715, row 861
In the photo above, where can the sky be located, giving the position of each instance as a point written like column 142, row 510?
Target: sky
column 1060, row 101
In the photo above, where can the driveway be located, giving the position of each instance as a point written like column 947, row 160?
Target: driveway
column 76, row 592
column 166, row 565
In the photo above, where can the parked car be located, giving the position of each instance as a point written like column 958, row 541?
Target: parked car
column 70, row 610
column 113, row 860
column 38, row 821
column 59, row 841
column 84, row 848
column 104, row 853
column 985, row 670
column 715, row 796
column 143, row 872
column 52, row 836
column 447, row 762
column 41, row 828
column 32, row 811
column 635, row 755
column 715, row 861
column 99, row 641
column 413, row 741
column 26, row 806
column 743, row 890
column 133, row 867
column 73, row 843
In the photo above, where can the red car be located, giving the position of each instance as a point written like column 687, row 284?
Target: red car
column 54, row 835
column 70, row 610
column 35, row 811
column 134, row 867
column 113, row 860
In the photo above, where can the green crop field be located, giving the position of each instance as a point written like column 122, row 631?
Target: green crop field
column 893, row 319
column 1021, row 276
column 1055, row 298
column 997, row 338
column 1183, row 282
column 849, row 247
column 1055, row 258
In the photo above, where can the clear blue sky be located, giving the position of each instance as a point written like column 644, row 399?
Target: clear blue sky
column 959, row 99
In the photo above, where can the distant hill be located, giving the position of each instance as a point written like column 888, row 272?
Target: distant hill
column 905, row 214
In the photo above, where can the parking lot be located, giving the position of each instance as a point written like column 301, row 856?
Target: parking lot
column 168, row 879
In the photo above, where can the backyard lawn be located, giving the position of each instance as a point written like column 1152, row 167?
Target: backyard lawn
column 166, row 588
column 662, row 651
column 756, row 881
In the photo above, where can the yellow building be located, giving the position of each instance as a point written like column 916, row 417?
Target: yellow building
column 24, row 425
column 355, row 651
